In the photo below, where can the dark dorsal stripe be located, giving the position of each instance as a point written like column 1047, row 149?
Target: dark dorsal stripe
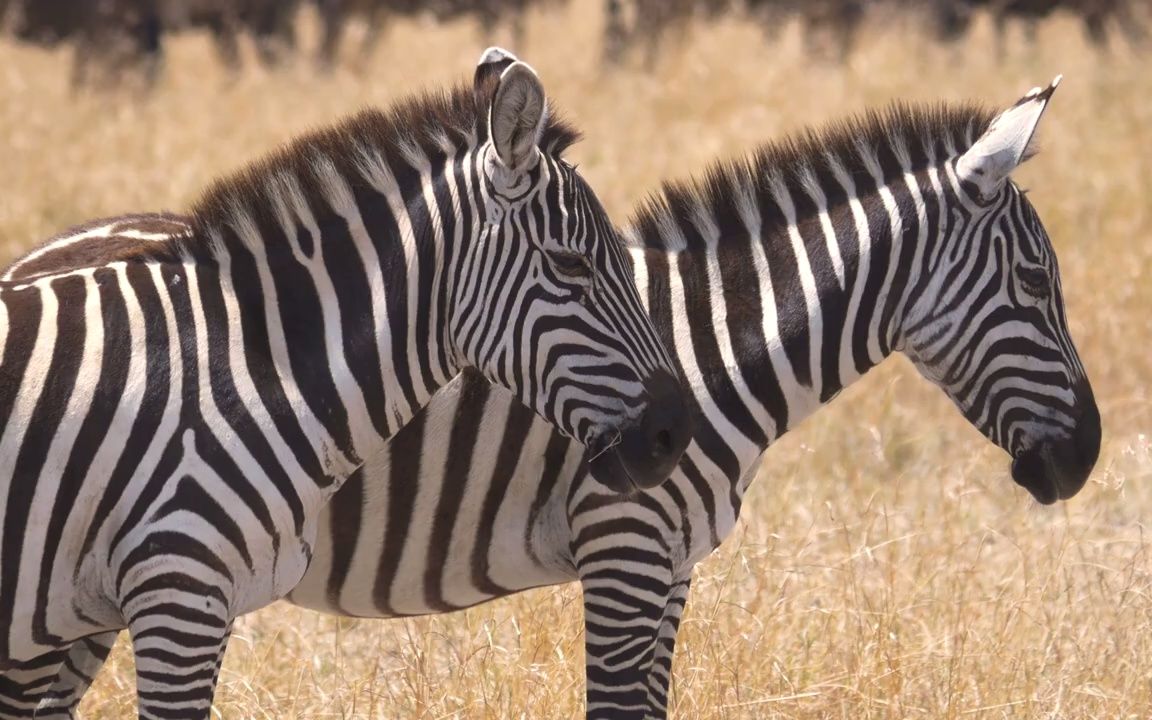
column 116, row 239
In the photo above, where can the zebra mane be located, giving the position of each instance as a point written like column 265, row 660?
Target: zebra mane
column 898, row 136
column 428, row 124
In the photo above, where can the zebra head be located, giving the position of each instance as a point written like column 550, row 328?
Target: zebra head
column 546, row 304
column 991, row 329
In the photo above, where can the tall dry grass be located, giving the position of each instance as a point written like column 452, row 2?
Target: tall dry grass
column 886, row 566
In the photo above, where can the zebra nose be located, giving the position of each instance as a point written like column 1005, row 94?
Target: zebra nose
column 1058, row 468
column 1086, row 436
column 643, row 454
column 651, row 449
column 667, row 421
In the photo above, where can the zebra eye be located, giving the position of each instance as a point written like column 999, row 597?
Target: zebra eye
column 570, row 264
column 1034, row 281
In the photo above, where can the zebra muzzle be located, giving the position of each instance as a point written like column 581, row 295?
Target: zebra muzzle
column 643, row 454
column 1057, row 468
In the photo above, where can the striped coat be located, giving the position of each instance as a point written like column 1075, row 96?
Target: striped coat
column 180, row 401
column 778, row 280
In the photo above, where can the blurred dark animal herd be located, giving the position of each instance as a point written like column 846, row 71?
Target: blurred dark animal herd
column 112, row 40
column 830, row 27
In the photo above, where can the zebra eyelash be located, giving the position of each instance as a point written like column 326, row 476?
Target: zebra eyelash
column 1034, row 281
column 570, row 265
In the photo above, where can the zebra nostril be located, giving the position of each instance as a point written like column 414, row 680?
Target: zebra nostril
column 662, row 444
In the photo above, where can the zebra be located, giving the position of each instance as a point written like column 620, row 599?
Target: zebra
column 178, row 408
column 777, row 280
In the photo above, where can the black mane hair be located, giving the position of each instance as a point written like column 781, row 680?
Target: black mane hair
column 899, row 135
column 423, row 122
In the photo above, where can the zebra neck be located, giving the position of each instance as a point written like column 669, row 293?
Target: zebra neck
column 359, row 285
column 768, row 326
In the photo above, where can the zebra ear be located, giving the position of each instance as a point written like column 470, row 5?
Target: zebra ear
column 517, row 115
column 493, row 62
column 1004, row 145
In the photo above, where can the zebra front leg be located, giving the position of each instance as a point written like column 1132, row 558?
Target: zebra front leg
column 179, row 638
column 615, row 33
column 625, row 596
column 24, row 684
column 660, row 674
column 81, row 63
column 84, row 660
column 376, row 24
column 226, row 37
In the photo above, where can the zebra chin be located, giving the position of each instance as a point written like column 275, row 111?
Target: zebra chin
column 613, row 469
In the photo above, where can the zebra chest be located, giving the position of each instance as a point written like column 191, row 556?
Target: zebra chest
column 207, row 501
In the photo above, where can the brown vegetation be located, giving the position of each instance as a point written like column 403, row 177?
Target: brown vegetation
column 886, row 566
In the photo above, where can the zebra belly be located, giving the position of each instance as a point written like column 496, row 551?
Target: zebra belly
column 459, row 527
column 370, row 585
column 405, row 593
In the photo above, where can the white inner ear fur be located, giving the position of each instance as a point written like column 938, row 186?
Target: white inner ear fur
column 998, row 152
column 517, row 117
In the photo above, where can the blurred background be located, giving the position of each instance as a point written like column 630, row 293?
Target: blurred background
column 885, row 564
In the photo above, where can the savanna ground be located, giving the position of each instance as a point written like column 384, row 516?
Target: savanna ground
column 886, row 565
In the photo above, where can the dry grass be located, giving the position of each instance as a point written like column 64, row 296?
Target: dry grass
column 886, row 565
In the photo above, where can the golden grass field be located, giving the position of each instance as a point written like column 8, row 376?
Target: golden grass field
column 886, row 566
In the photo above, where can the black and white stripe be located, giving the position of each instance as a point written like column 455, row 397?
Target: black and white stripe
column 778, row 281
column 181, row 396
